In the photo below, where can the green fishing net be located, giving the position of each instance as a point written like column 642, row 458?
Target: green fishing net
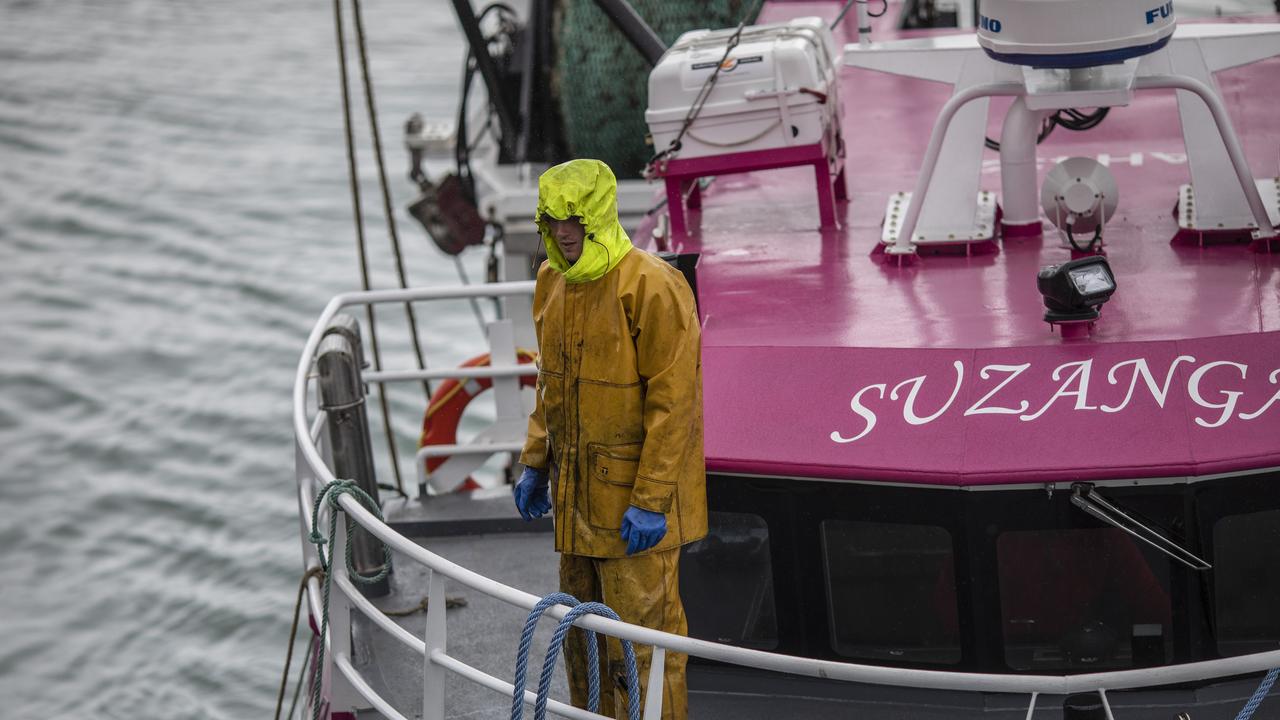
column 601, row 82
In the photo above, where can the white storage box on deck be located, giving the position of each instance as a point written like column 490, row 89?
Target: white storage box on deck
column 777, row 89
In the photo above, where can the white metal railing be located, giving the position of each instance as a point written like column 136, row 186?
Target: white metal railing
column 497, row 371
column 313, row 471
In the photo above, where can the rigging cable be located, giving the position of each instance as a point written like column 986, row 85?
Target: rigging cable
column 1068, row 118
column 360, row 243
column 302, row 677
column 463, row 145
column 851, row 3
column 386, row 190
column 293, row 636
column 1071, row 238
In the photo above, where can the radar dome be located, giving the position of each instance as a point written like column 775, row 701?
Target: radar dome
column 1073, row 33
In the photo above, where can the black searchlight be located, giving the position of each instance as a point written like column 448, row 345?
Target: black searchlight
column 1073, row 291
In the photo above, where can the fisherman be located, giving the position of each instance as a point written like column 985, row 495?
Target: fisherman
column 616, row 434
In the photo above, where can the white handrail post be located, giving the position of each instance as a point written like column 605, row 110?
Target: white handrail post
column 653, row 695
column 502, row 353
column 511, row 414
column 342, row 696
column 1106, row 704
column 1031, row 709
column 304, row 476
column 433, row 674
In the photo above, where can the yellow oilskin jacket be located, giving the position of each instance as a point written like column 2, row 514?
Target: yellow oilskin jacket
column 618, row 418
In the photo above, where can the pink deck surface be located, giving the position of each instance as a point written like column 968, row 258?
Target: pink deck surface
column 797, row 321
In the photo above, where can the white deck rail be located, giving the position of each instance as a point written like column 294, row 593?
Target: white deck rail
column 349, row 691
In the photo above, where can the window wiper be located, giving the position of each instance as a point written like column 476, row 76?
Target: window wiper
column 1085, row 497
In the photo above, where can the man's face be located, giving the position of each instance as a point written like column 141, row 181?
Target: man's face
column 569, row 235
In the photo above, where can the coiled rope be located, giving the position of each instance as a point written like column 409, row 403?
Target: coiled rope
column 1264, row 687
column 332, row 493
column 553, row 651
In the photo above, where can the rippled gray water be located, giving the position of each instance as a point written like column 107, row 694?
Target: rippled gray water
column 174, row 214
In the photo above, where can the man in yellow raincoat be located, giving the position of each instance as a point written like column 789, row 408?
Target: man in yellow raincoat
column 615, row 439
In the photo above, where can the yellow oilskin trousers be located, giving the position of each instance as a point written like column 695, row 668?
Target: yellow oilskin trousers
column 617, row 421
column 643, row 590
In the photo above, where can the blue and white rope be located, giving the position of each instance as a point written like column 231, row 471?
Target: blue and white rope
column 553, row 650
column 526, row 639
column 1264, row 687
column 593, row 664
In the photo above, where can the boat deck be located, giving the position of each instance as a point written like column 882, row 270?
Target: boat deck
column 768, row 276
column 818, row 331
column 483, row 633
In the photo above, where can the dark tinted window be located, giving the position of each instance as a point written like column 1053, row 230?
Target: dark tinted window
column 891, row 591
column 1246, row 572
column 1088, row 599
column 726, row 581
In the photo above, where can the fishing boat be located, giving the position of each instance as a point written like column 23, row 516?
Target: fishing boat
column 990, row 297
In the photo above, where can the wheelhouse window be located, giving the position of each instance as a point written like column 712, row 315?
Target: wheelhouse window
column 726, row 580
column 891, row 591
column 1246, row 573
column 1082, row 599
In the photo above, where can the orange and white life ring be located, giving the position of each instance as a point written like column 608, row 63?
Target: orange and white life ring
column 450, row 399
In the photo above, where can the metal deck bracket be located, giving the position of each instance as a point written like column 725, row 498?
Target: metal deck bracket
column 1190, row 220
column 981, row 227
column 949, row 212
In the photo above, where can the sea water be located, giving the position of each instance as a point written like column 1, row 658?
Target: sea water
column 174, row 214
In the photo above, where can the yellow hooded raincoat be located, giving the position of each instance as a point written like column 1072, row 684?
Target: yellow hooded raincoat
column 619, row 395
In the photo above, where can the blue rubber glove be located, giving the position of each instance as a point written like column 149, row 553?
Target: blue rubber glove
column 642, row 529
column 532, row 498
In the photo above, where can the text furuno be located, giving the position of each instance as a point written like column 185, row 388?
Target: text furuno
column 1075, row 386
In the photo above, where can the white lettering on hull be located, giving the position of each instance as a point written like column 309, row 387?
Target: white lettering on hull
column 1141, row 369
column 1225, row 403
column 1014, row 371
column 861, row 411
column 1193, row 389
column 909, row 407
column 1080, row 377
